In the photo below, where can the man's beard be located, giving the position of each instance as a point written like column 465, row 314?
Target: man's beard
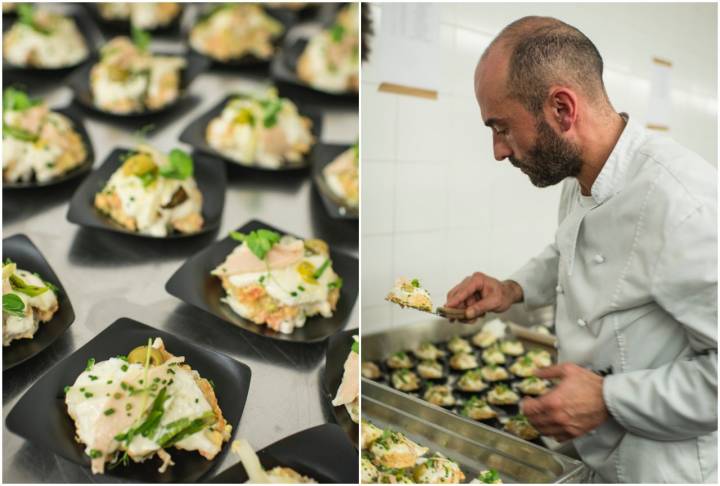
column 551, row 160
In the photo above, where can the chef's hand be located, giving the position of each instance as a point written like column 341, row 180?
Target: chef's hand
column 572, row 408
column 480, row 293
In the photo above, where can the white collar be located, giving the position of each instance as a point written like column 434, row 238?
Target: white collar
column 612, row 176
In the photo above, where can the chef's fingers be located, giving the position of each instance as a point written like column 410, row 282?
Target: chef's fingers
column 531, row 407
column 556, row 371
column 468, row 287
column 483, row 305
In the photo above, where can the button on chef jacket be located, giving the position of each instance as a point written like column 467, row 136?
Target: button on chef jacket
column 633, row 276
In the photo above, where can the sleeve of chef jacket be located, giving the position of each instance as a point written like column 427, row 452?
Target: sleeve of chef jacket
column 678, row 400
column 539, row 277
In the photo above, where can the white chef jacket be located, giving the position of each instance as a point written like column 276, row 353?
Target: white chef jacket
column 633, row 276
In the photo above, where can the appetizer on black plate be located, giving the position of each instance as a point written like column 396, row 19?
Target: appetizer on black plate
column 478, row 409
column 370, row 370
column 519, row 426
column 342, row 175
column 331, row 59
column 440, row 395
column 471, row 381
column 494, row 372
column 43, row 39
column 138, row 407
column 38, row 143
column 236, row 30
column 428, row 350
column 27, row 301
column 130, row 79
column 459, row 345
column 399, row 360
column 405, row 380
column 267, row 131
column 430, row 369
column 153, row 193
column 348, row 392
column 258, row 475
column 502, row 395
column 463, row 361
column 532, row 385
column 146, row 16
column 279, row 281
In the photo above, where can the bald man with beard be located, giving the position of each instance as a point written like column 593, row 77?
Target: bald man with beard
column 632, row 272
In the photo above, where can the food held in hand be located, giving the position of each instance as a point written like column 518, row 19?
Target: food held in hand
column 130, row 79
column 153, row 193
column 265, row 131
column 37, row 142
column 331, row 59
column 279, row 281
column 342, row 176
column 409, row 293
column 43, row 39
column 235, row 30
column 27, row 301
column 348, row 392
column 139, row 407
column 258, row 475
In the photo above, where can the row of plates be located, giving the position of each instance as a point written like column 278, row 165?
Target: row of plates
column 40, row 416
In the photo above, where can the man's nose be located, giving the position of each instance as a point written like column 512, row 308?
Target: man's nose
column 501, row 150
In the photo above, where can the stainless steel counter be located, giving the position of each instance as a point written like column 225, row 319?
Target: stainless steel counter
column 108, row 276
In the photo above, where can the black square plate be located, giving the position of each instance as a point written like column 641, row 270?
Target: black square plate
column 193, row 284
column 284, row 69
column 286, row 17
column 322, row 453
column 334, row 205
column 87, row 29
column 21, row 250
column 41, row 417
column 209, row 175
column 79, row 82
column 194, row 135
column 338, row 349
column 78, row 171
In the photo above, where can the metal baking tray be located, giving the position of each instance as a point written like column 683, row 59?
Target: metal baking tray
column 473, row 446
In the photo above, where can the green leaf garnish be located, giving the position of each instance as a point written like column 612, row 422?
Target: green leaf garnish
column 17, row 100
column 272, row 108
column 180, row 166
column 259, row 241
column 90, row 364
column 356, row 347
column 19, row 133
column 141, row 38
column 415, row 283
column 337, row 32
column 337, row 284
column 26, row 16
column 12, row 304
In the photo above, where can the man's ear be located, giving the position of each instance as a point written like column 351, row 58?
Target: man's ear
column 563, row 106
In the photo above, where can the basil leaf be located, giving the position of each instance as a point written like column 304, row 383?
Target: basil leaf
column 272, row 109
column 20, row 285
column 237, row 236
column 26, row 16
column 12, row 304
column 17, row 100
column 180, row 166
column 259, row 241
column 141, row 38
column 356, row 347
column 337, row 32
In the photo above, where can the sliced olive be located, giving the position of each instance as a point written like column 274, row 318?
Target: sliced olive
column 139, row 354
column 317, row 246
column 177, row 199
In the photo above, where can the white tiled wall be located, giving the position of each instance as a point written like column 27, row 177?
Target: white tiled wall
column 435, row 203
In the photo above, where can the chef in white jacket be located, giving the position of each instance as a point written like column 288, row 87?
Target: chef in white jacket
column 632, row 271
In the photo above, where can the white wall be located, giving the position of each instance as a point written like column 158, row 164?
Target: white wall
column 437, row 206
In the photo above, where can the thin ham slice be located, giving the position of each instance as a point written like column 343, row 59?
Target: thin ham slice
column 242, row 260
column 349, row 386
